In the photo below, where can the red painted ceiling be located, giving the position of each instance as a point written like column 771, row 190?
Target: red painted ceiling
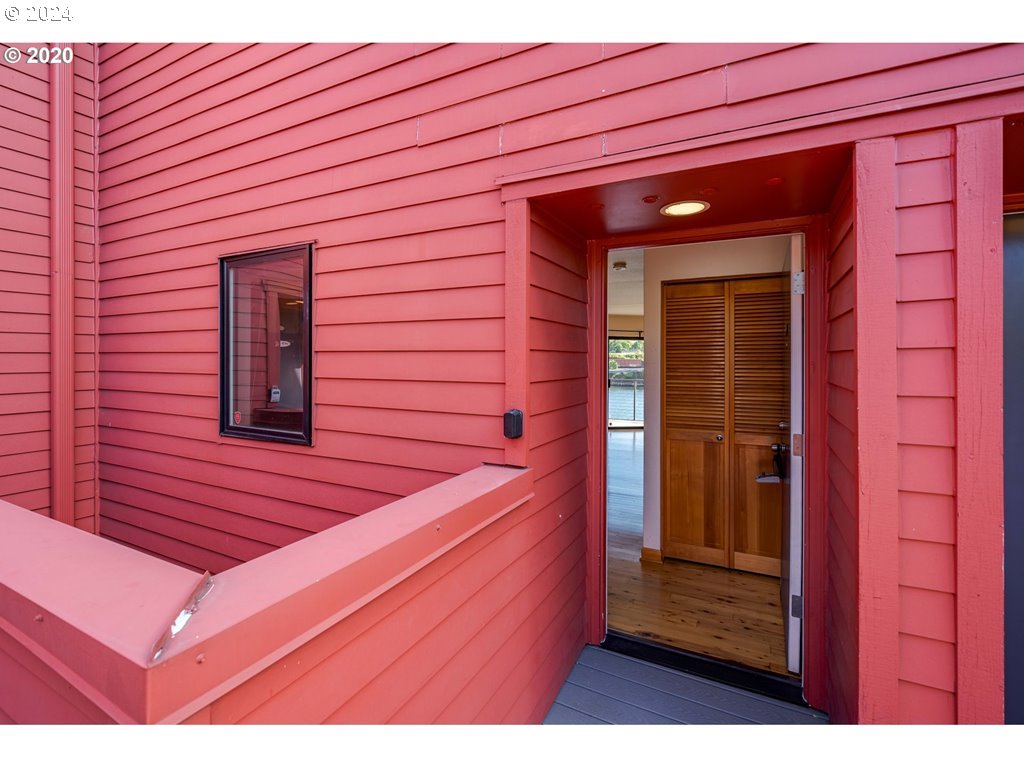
column 777, row 187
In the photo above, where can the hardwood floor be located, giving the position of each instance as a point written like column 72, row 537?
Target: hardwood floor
column 726, row 614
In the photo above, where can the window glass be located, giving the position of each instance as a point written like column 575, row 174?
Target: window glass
column 265, row 345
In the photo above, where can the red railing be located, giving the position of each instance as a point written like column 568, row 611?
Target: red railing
column 91, row 631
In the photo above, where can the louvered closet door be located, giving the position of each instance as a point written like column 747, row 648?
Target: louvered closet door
column 725, row 391
column 693, row 446
column 760, row 314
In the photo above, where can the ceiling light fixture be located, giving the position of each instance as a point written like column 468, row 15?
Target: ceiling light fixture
column 685, row 208
column 618, row 266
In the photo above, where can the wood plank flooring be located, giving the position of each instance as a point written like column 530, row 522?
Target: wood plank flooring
column 721, row 613
column 606, row 687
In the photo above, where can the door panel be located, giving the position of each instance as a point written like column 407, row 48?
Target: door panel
column 725, row 394
column 695, row 495
column 694, row 448
column 760, row 404
column 757, row 526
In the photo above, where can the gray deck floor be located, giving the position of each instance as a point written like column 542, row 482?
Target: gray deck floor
column 606, row 687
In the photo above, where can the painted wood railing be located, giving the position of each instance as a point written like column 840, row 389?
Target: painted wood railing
column 91, row 631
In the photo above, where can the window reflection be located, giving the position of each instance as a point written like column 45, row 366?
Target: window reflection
column 267, row 344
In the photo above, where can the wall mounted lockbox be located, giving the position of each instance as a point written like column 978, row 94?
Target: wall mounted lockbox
column 513, row 423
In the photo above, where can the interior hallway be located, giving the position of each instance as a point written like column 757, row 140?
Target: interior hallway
column 714, row 611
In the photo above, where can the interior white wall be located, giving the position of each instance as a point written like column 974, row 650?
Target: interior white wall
column 727, row 258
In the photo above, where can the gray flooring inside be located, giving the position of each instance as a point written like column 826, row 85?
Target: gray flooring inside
column 605, row 687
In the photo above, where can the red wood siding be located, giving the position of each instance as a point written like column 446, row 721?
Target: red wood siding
column 24, row 288
column 877, row 471
column 386, row 155
column 980, row 585
column 449, row 605
column 841, row 640
column 86, row 282
column 906, row 549
column 558, row 435
column 76, row 636
column 926, row 345
column 26, row 156
column 408, row 339
column 476, row 636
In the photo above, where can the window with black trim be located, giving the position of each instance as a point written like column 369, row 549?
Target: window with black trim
column 266, row 345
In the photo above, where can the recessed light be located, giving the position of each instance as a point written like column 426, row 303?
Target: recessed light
column 685, row 208
column 618, row 266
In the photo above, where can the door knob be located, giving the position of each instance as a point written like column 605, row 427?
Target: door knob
column 783, row 425
column 718, row 438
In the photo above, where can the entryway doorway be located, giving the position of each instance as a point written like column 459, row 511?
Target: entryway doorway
column 704, row 498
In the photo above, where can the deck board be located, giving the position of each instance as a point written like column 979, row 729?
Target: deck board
column 607, row 687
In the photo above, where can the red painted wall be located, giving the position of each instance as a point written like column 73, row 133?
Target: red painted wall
column 841, row 486
column 479, row 635
column 386, row 155
column 449, row 605
column 26, row 176
column 896, row 270
column 926, row 347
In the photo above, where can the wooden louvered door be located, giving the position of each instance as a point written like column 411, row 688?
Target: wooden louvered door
column 760, row 399
column 694, row 450
column 725, row 392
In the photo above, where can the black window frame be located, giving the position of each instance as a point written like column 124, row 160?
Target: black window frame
column 266, row 434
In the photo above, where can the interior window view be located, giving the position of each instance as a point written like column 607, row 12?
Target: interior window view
column 700, row 342
column 266, row 345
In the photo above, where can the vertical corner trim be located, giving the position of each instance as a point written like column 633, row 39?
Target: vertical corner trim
column 62, row 294
column 517, row 325
column 978, row 182
column 877, row 430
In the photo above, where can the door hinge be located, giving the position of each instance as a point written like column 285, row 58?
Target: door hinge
column 796, row 606
column 798, row 283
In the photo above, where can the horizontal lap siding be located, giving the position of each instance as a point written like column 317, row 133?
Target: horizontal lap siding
column 208, row 150
column 842, row 462
column 489, row 631
column 767, row 84
column 386, row 155
column 33, row 692
column 926, row 341
column 25, row 158
column 86, row 350
column 479, row 635
column 24, row 288
column 557, row 304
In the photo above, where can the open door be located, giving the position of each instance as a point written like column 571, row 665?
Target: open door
column 791, row 458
